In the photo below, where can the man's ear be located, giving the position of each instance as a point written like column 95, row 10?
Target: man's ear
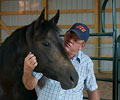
column 82, row 46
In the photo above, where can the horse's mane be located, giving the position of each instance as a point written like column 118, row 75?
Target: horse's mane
column 12, row 45
column 14, row 38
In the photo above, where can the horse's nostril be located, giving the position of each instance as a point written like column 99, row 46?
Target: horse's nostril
column 71, row 79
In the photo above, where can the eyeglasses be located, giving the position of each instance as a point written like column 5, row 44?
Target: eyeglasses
column 77, row 42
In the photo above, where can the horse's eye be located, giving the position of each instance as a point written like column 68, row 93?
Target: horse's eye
column 46, row 44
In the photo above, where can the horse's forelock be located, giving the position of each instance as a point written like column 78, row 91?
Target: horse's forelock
column 46, row 27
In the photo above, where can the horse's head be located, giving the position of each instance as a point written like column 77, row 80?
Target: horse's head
column 44, row 41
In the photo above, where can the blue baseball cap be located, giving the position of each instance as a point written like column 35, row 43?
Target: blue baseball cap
column 81, row 30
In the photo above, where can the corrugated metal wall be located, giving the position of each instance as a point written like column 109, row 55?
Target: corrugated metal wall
column 65, row 19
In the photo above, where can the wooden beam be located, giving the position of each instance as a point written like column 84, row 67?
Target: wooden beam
column 14, row 27
column 106, row 41
column 54, row 11
column 20, row 13
column 111, row 25
column 45, row 6
column 65, row 26
column 72, row 11
column 90, row 26
column 0, row 25
column 101, row 56
column 101, row 41
column 90, row 42
column 49, row 11
column 60, row 26
column 68, row 26
column 5, row 27
column 96, row 30
column 110, row 10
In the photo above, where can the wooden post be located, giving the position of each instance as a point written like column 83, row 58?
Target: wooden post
column 96, row 30
column 45, row 5
column 5, row 27
column 0, row 25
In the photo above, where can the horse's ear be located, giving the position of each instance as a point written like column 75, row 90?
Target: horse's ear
column 56, row 17
column 41, row 17
column 39, row 20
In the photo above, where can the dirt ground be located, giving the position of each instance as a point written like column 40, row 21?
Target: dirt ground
column 105, row 88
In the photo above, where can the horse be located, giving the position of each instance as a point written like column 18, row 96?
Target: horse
column 41, row 37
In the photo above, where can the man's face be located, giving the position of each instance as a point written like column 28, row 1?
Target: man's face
column 72, row 43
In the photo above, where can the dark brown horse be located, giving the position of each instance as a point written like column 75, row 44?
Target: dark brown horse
column 42, row 38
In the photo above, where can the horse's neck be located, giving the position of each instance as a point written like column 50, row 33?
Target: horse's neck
column 13, row 49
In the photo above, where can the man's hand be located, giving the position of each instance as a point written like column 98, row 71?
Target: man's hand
column 30, row 62
column 29, row 80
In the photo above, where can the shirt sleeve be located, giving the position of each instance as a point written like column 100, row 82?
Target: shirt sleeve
column 37, row 75
column 90, row 81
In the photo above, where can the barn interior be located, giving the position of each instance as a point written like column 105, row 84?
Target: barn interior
column 101, row 16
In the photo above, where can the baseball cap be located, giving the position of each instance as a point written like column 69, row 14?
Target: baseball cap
column 81, row 30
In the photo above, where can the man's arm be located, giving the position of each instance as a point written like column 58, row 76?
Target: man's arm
column 93, row 95
column 28, row 79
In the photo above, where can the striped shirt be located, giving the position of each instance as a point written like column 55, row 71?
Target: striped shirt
column 53, row 91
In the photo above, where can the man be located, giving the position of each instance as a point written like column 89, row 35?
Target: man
column 74, row 41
